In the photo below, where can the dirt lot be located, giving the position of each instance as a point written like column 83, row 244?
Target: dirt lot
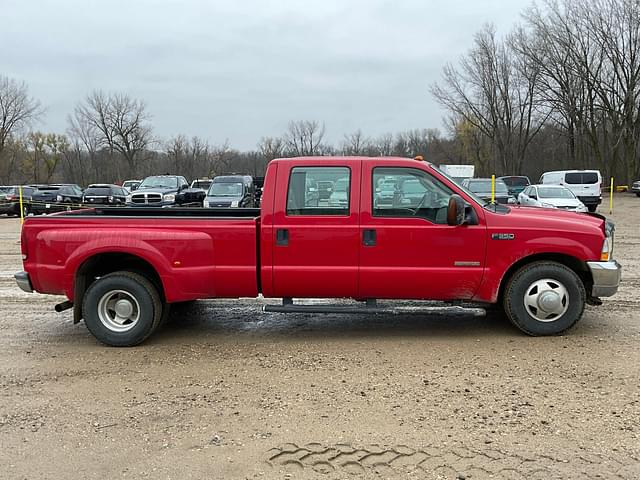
column 226, row 391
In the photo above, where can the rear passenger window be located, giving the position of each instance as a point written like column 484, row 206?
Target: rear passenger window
column 319, row 191
column 581, row 178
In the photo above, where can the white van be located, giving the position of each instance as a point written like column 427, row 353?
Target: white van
column 585, row 184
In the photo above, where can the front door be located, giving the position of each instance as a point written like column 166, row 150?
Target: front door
column 407, row 250
column 316, row 237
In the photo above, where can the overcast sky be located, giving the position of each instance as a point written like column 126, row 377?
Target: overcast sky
column 240, row 70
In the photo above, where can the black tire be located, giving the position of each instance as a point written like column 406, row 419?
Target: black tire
column 521, row 281
column 592, row 208
column 135, row 286
column 637, row 194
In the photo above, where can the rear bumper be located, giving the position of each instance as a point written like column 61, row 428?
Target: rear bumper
column 590, row 200
column 606, row 278
column 23, row 281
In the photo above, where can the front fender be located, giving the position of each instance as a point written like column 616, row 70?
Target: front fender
column 501, row 256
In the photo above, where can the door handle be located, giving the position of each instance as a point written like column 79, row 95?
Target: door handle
column 282, row 237
column 369, row 238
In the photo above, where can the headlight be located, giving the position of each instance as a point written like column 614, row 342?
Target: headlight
column 58, row 198
column 169, row 197
column 110, row 198
column 235, row 203
column 511, row 200
column 547, row 205
column 206, row 204
column 128, row 199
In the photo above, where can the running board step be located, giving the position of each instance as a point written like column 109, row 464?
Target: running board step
column 377, row 310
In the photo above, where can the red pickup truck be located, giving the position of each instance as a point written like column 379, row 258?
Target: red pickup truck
column 379, row 228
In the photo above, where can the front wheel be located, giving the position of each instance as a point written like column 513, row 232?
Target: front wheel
column 544, row 298
column 122, row 309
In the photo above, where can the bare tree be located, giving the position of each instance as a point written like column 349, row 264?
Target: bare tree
column 17, row 110
column 355, row 143
column 494, row 91
column 85, row 139
column 304, row 138
column 188, row 156
column 123, row 124
column 271, row 147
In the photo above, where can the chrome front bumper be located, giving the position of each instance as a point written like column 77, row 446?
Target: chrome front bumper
column 23, row 281
column 606, row 278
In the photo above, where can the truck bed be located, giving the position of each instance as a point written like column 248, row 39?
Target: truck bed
column 197, row 253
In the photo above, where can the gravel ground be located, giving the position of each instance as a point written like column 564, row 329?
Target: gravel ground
column 225, row 391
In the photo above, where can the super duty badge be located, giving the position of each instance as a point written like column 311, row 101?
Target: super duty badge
column 503, row 236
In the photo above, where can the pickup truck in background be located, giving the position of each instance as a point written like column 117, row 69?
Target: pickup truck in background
column 121, row 269
column 158, row 191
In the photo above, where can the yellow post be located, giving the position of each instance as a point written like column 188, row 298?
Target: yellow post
column 611, row 198
column 493, row 189
column 21, row 208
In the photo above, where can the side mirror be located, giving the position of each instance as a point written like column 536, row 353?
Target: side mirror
column 455, row 210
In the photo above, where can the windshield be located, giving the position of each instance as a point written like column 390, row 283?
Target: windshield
column 203, row 184
column 545, row 192
column 98, row 191
column 6, row 189
column 225, row 190
column 516, row 181
column 484, row 186
column 159, row 182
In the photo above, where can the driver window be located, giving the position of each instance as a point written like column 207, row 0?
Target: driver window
column 409, row 192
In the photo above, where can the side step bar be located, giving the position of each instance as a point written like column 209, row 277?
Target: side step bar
column 375, row 309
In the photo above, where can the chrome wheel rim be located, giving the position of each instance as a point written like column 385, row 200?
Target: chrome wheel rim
column 546, row 300
column 118, row 310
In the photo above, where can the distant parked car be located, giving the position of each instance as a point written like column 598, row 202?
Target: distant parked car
column 104, row 194
column 233, row 191
column 635, row 188
column 482, row 188
column 131, row 185
column 585, row 184
column 516, row 184
column 158, row 191
column 551, row 196
column 55, row 198
column 325, row 187
column 195, row 194
column 10, row 200
column 340, row 195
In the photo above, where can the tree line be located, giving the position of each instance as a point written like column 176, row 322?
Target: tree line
column 560, row 91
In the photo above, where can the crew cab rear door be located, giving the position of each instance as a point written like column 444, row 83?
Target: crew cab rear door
column 407, row 250
column 315, row 238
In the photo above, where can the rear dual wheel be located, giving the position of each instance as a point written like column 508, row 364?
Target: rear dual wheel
column 544, row 298
column 122, row 309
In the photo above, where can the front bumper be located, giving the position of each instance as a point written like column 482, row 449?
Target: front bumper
column 606, row 278
column 151, row 205
column 23, row 281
